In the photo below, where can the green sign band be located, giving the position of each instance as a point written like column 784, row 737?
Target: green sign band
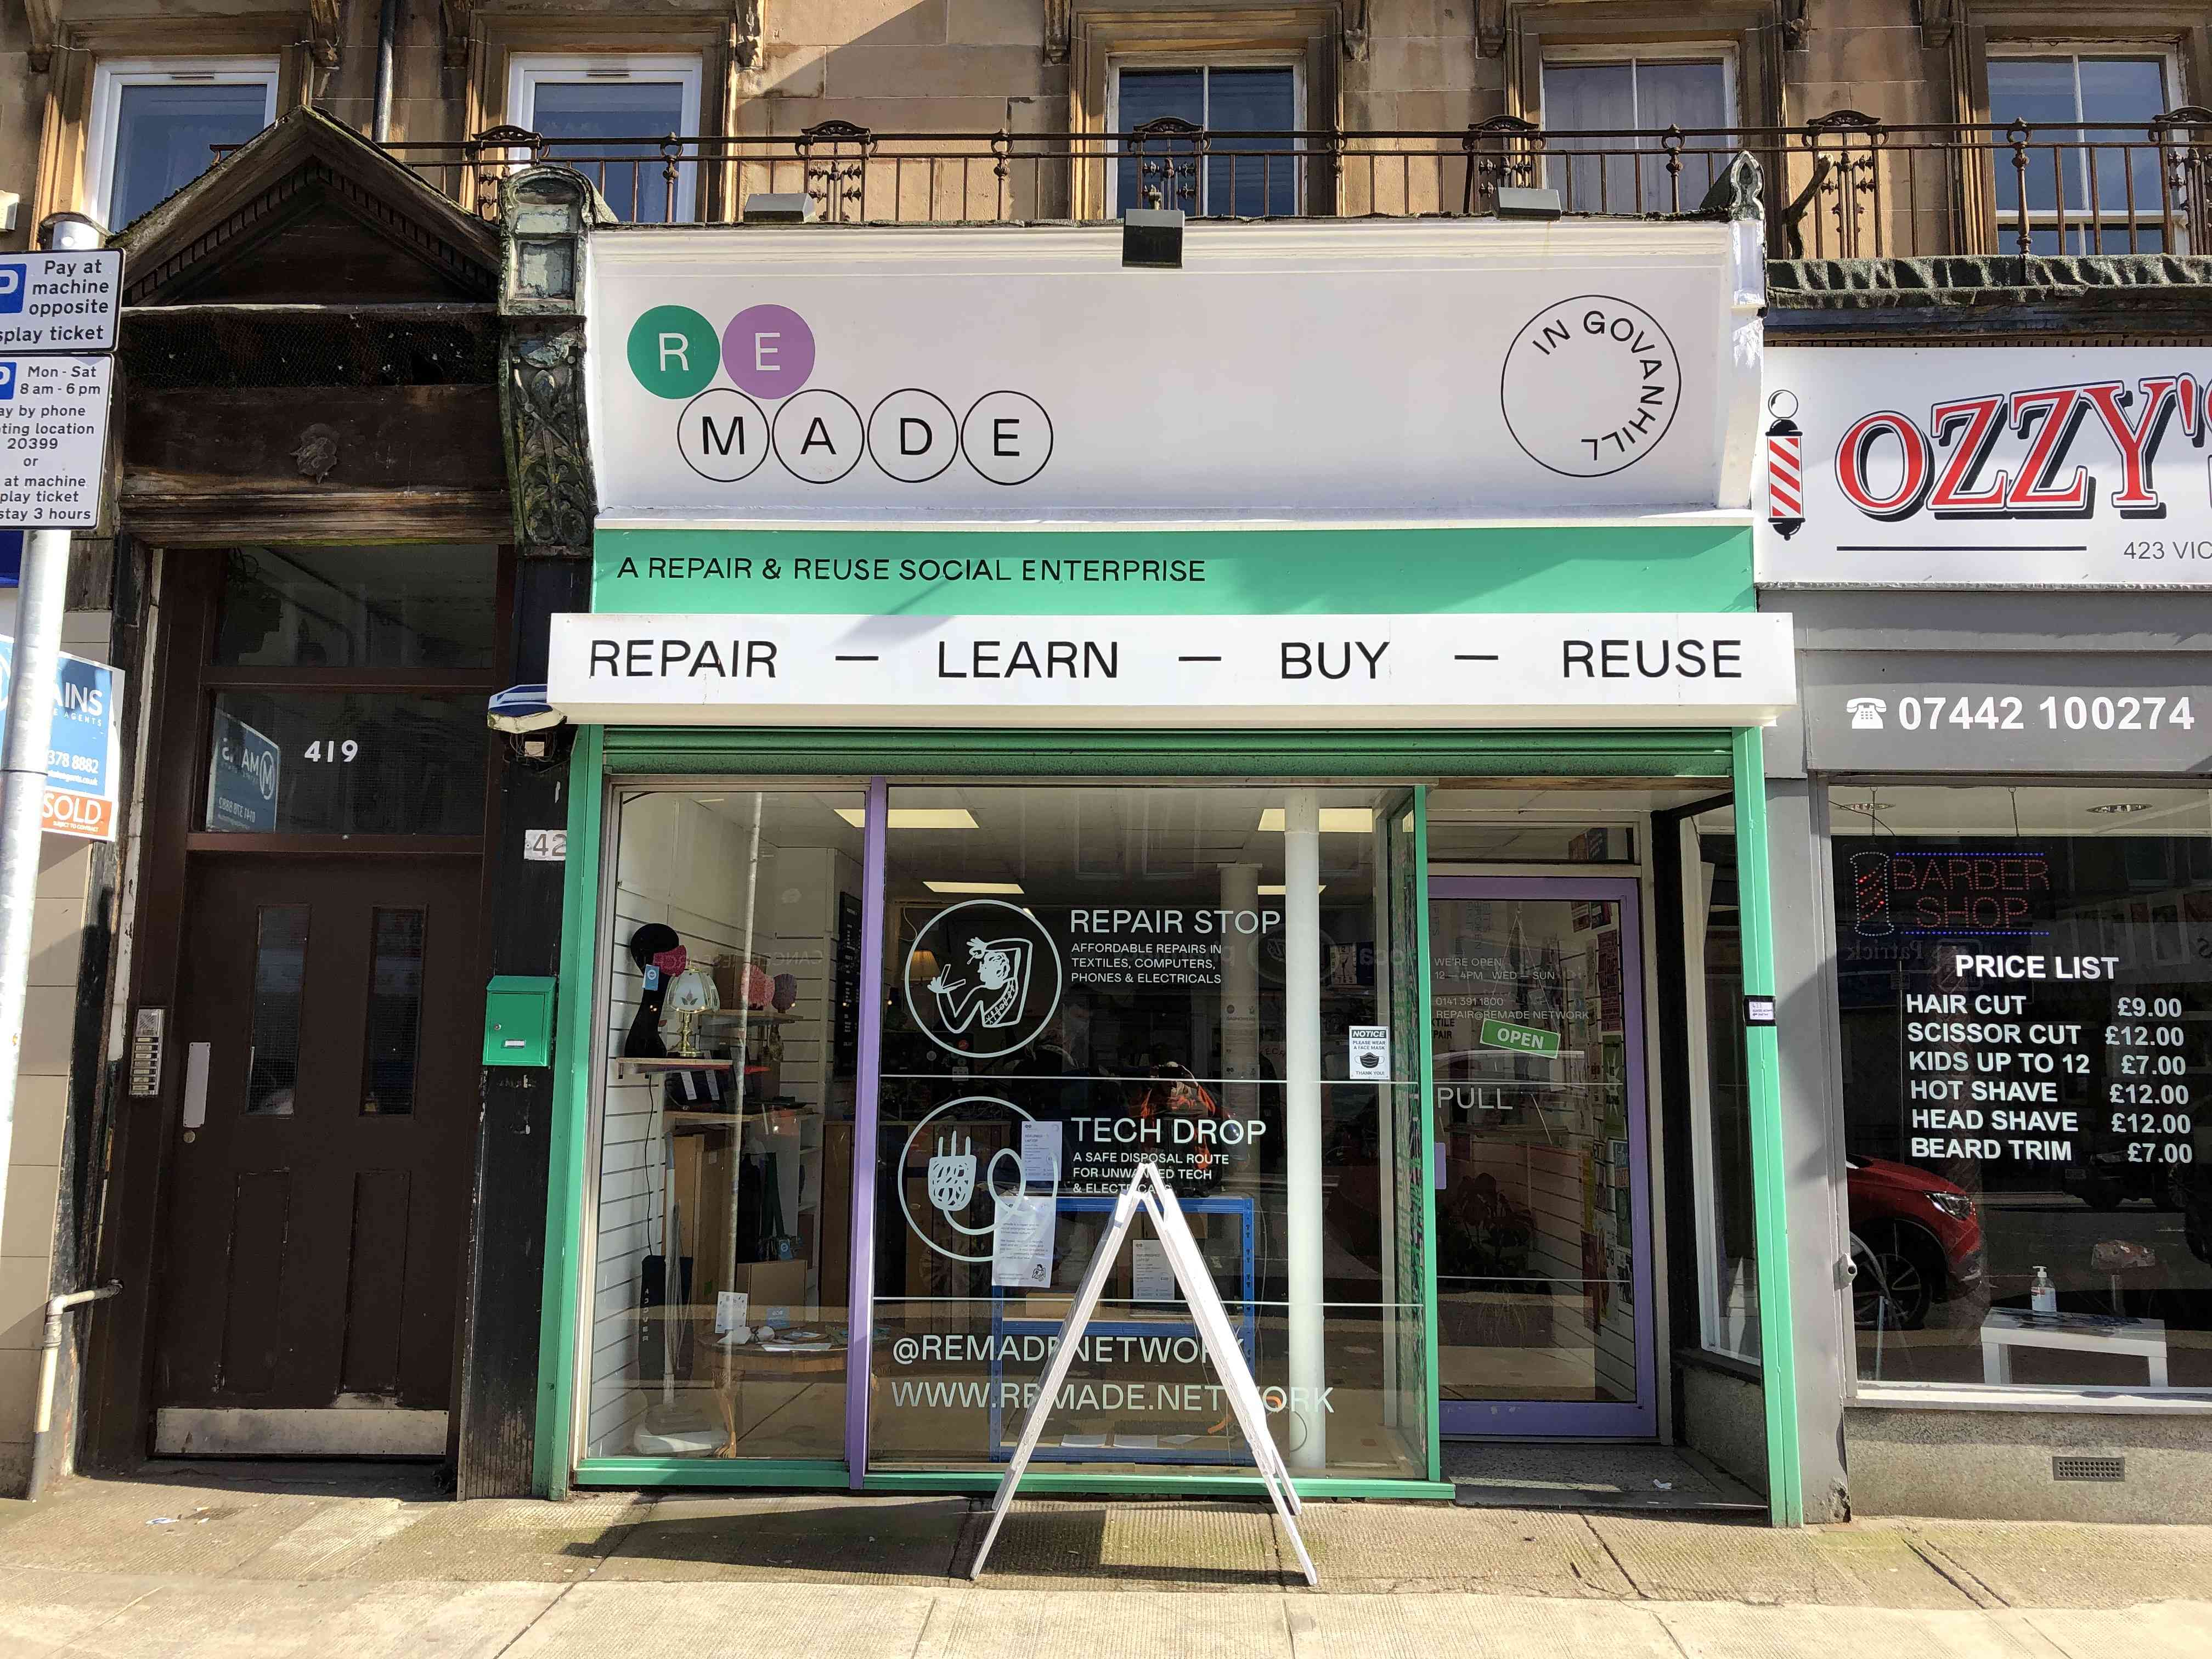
column 947, row 572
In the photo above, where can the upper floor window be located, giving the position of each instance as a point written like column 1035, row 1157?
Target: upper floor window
column 1246, row 176
column 1636, row 99
column 2092, row 187
column 156, row 122
column 607, row 115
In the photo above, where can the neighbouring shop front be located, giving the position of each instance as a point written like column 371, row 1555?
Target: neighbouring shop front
column 1998, row 571
column 1037, row 715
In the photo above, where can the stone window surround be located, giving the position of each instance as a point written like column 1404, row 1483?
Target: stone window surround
column 1756, row 32
column 80, row 46
column 487, row 41
column 2179, row 29
column 1170, row 32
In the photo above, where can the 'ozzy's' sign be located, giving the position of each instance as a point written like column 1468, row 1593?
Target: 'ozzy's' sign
column 1989, row 466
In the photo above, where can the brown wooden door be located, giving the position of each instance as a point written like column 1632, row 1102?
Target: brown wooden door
column 321, row 1197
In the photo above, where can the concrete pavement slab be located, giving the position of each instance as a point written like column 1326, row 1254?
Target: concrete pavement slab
column 1683, row 1560
column 42, row 1610
column 1470, row 1627
column 708, row 1620
column 1376, row 1548
column 335, row 1538
column 997, row 1624
column 162, row 1529
column 2058, row 1565
column 1047, row 1545
column 1707, row 1630
column 824, row 1538
column 495, row 1538
column 2162, row 1630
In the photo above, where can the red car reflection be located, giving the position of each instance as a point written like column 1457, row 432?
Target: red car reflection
column 1921, row 1238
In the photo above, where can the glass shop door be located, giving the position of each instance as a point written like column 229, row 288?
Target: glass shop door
column 1543, row 1272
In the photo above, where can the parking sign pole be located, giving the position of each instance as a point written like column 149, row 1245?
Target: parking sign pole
column 40, row 598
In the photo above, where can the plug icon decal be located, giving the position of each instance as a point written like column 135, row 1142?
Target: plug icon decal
column 953, row 1173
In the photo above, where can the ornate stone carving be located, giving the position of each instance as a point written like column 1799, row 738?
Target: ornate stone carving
column 746, row 25
column 1356, row 33
column 1937, row 19
column 549, row 460
column 1058, row 21
column 1490, row 27
column 325, row 30
column 1795, row 25
column 45, row 17
column 459, row 21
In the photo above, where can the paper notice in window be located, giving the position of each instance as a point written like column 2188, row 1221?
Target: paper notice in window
column 1021, row 1246
column 1039, row 1155
column 1369, row 1056
column 1155, row 1280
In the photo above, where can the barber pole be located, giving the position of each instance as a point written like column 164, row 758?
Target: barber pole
column 1785, row 468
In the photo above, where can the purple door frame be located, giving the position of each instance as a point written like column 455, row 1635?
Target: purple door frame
column 1584, row 1420
column 860, row 1310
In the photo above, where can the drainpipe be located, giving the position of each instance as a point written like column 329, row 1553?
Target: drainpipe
column 387, row 41
column 44, row 1451
column 40, row 598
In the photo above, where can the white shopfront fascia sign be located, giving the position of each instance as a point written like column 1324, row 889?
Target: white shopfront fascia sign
column 1987, row 466
column 1289, row 373
column 1318, row 671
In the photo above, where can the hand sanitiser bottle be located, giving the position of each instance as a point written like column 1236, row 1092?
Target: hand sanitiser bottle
column 2042, row 1295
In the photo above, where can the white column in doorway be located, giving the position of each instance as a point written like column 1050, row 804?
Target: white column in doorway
column 1240, row 997
column 1307, row 1434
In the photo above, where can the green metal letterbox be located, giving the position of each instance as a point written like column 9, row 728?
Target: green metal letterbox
column 519, row 1020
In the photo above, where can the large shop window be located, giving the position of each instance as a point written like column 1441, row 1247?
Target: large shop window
column 1221, row 980
column 2026, row 981
column 723, row 1245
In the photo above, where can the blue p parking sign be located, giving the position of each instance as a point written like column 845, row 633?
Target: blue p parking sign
column 6, row 381
column 11, row 286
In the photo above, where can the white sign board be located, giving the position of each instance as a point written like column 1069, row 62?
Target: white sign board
column 1148, row 1192
column 64, row 302
column 53, row 440
column 1988, row 466
column 1395, row 371
column 1725, row 669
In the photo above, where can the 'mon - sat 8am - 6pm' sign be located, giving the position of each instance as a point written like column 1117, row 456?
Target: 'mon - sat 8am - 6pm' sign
column 1287, row 372
column 1988, row 466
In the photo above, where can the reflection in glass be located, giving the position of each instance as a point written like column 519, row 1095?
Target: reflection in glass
column 2028, row 1171
column 165, row 138
column 723, row 1235
column 1248, row 170
column 1720, row 1094
column 395, row 1012
column 280, row 969
column 1535, row 1264
column 402, row 606
column 321, row 762
column 1078, row 979
column 594, row 117
column 2106, row 170
column 1634, row 101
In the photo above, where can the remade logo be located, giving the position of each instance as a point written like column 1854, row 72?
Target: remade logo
column 726, row 433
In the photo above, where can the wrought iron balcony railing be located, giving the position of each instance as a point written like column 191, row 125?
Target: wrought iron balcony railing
column 1845, row 186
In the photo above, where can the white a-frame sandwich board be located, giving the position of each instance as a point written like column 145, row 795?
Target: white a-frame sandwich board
column 1148, row 1192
